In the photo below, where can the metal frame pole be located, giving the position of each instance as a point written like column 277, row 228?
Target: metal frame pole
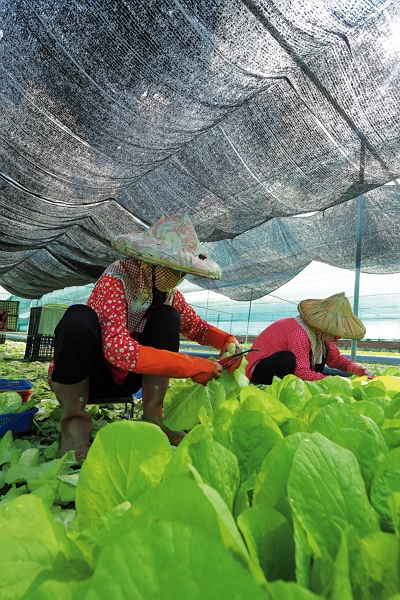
column 248, row 316
column 360, row 206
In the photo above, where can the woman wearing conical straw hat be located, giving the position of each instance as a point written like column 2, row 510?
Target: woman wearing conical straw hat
column 303, row 345
column 127, row 336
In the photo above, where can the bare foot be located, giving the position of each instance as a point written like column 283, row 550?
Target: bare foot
column 75, row 435
column 174, row 437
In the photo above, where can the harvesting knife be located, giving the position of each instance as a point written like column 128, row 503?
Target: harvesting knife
column 226, row 362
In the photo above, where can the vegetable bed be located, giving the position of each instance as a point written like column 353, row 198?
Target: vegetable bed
column 281, row 492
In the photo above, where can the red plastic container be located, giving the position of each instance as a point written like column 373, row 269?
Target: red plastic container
column 26, row 395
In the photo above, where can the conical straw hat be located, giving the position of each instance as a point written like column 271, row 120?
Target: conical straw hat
column 172, row 242
column 332, row 315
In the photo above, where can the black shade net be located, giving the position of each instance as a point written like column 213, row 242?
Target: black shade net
column 240, row 113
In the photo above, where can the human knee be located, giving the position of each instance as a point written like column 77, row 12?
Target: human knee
column 287, row 361
column 167, row 319
column 170, row 315
column 175, row 318
column 77, row 318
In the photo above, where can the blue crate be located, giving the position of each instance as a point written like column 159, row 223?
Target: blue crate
column 22, row 386
column 15, row 385
column 18, row 423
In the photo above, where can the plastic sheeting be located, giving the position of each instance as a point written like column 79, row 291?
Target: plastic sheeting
column 242, row 113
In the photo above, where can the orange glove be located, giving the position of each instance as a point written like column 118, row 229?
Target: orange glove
column 204, row 378
column 152, row 361
column 221, row 339
column 235, row 363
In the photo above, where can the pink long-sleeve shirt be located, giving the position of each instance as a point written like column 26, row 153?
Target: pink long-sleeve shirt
column 287, row 334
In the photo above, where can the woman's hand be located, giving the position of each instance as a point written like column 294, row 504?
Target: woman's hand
column 213, row 370
column 361, row 371
column 369, row 374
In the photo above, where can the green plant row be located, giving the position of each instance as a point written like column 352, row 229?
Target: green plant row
column 281, row 492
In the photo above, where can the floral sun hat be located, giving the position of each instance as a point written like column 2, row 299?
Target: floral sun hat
column 332, row 315
column 172, row 242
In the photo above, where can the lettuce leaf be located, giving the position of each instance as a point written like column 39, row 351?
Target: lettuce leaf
column 170, row 561
column 327, row 494
column 385, row 482
column 217, row 466
column 126, row 459
column 40, row 561
column 10, row 402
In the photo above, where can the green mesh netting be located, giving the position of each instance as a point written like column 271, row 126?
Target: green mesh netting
column 242, row 113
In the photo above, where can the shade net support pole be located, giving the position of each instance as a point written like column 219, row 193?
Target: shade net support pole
column 248, row 316
column 357, row 269
column 360, row 206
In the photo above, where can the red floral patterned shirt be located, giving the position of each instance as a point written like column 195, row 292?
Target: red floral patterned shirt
column 287, row 334
column 108, row 300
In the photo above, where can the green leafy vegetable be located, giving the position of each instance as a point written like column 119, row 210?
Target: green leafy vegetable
column 170, row 561
column 10, row 402
column 125, row 460
column 282, row 492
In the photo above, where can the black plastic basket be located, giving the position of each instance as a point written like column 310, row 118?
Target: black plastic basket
column 34, row 319
column 39, row 347
column 17, row 423
column 43, row 319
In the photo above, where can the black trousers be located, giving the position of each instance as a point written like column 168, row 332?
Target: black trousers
column 279, row 364
column 78, row 349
